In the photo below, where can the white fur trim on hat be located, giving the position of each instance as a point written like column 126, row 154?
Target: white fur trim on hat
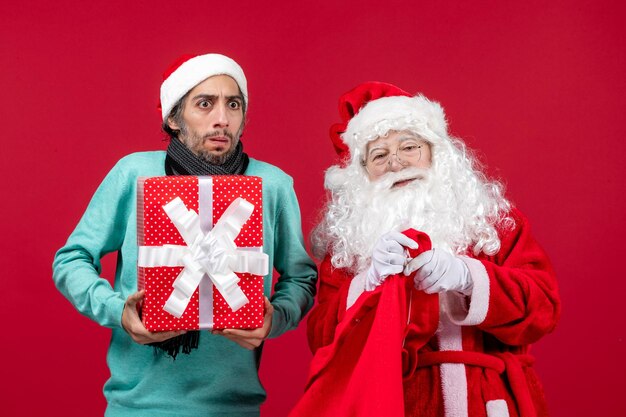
column 416, row 114
column 193, row 72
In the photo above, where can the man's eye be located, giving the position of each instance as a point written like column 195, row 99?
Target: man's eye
column 205, row 104
column 410, row 147
column 234, row 105
column 378, row 156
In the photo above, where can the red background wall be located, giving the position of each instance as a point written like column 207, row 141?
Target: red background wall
column 537, row 87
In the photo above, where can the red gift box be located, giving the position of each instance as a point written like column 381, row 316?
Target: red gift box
column 187, row 251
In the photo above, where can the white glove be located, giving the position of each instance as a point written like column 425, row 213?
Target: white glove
column 440, row 271
column 388, row 258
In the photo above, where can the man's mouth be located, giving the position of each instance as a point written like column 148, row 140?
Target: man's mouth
column 218, row 139
column 402, row 183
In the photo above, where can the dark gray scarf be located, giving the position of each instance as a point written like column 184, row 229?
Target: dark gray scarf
column 181, row 161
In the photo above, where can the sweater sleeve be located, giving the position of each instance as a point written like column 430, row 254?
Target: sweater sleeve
column 101, row 230
column 515, row 295
column 295, row 289
column 331, row 305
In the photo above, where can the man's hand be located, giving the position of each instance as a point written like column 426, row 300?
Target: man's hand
column 135, row 328
column 251, row 339
column 388, row 258
column 439, row 271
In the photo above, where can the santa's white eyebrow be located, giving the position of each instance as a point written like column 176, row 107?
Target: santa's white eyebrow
column 401, row 139
column 375, row 148
column 408, row 137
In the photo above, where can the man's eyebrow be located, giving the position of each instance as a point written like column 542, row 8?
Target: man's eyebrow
column 205, row 96
column 215, row 96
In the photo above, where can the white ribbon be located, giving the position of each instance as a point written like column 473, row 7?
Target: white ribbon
column 213, row 253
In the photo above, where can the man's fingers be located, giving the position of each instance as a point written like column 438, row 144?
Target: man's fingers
column 246, row 343
column 135, row 328
column 256, row 333
column 268, row 307
column 250, row 338
column 390, row 257
column 130, row 316
column 418, row 262
column 135, row 298
column 396, row 259
column 144, row 336
column 163, row 336
column 429, row 286
column 241, row 342
column 404, row 240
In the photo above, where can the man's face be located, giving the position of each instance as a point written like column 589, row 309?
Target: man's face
column 212, row 118
column 395, row 152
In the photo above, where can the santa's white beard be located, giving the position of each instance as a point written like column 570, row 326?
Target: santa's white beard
column 362, row 211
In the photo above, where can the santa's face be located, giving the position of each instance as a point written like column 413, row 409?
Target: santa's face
column 212, row 118
column 394, row 152
column 402, row 180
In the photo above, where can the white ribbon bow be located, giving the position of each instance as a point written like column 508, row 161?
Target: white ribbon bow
column 214, row 254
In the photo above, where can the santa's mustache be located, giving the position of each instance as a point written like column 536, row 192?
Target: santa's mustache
column 387, row 181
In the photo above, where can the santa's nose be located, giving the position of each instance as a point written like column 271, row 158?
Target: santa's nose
column 394, row 163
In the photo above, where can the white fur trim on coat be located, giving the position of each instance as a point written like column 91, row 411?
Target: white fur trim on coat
column 456, row 304
column 453, row 376
column 497, row 408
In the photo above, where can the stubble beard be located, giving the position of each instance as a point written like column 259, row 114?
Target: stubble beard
column 195, row 142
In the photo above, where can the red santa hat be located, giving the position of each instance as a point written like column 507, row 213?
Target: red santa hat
column 190, row 70
column 373, row 108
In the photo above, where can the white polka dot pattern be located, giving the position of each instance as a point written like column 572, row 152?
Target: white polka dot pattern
column 158, row 230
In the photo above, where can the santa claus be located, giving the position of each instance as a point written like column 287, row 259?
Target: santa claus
column 432, row 286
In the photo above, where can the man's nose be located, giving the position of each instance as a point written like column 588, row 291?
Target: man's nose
column 394, row 163
column 221, row 117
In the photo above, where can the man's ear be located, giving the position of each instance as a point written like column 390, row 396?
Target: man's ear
column 172, row 123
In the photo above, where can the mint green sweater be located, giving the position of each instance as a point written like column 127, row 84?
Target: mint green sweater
column 218, row 379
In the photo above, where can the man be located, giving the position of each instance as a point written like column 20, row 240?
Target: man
column 436, row 320
column 204, row 101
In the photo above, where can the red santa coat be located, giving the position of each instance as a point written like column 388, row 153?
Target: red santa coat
column 460, row 356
